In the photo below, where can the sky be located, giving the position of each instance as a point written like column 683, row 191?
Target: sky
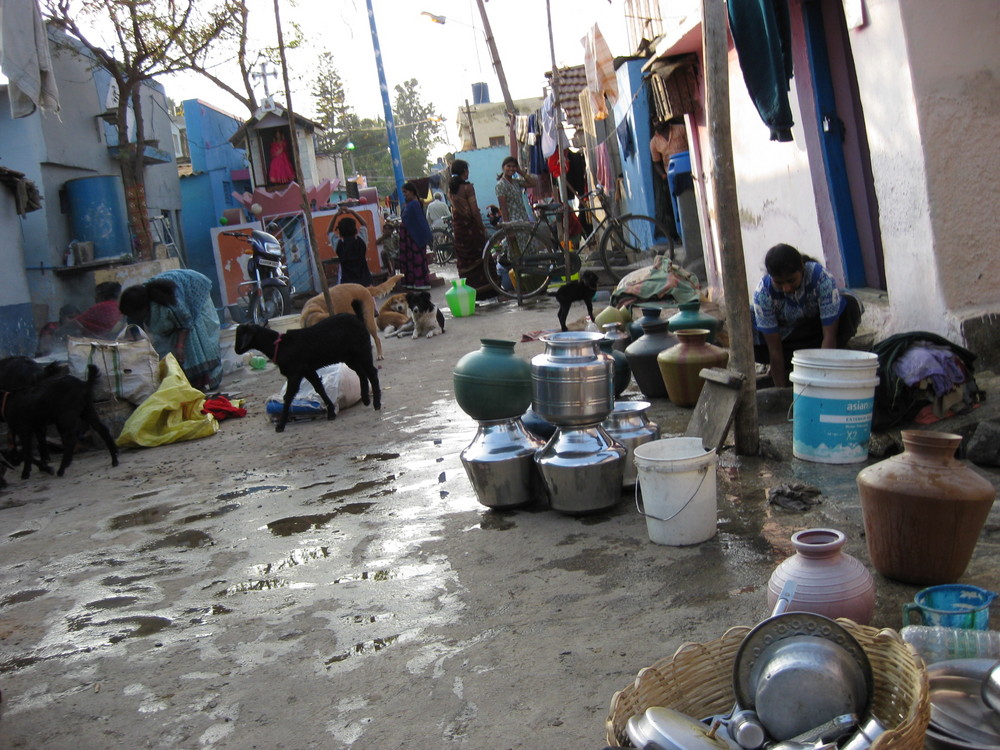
column 445, row 59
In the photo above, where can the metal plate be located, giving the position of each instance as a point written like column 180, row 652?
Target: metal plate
column 787, row 625
column 959, row 717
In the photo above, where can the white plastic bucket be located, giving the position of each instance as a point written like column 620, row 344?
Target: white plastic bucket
column 834, row 393
column 677, row 479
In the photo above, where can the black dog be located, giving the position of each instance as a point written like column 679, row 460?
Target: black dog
column 300, row 353
column 60, row 399
column 577, row 291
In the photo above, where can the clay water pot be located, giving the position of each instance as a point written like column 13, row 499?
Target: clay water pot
column 690, row 316
column 680, row 365
column 642, row 353
column 491, row 383
column 828, row 581
column 924, row 510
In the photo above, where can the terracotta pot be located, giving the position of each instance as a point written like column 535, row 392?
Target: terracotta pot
column 641, row 355
column 828, row 581
column 491, row 383
column 679, row 366
column 924, row 510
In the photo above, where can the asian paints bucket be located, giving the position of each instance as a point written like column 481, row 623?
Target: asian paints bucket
column 677, row 479
column 834, row 393
column 951, row 605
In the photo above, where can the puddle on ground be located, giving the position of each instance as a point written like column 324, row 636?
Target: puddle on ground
column 298, row 524
column 112, row 581
column 210, row 514
column 19, row 534
column 361, row 487
column 261, row 585
column 365, row 647
column 141, row 495
column 296, row 558
column 192, row 539
column 113, row 602
column 496, row 522
column 139, row 625
column 244, row 492
column 365, row 619
column 21, row 596
column 375, row 457
column 143, row 517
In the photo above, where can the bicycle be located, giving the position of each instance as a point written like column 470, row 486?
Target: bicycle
column 443, row 243
column 522, row 258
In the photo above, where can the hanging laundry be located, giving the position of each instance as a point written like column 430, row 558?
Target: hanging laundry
column 25, row 58
column 521, row 128
column 603, row 170
column 762, row 35
column 598, row 63
column 549, row 126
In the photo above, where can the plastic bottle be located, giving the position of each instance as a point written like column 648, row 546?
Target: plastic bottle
column 591, row 325
column 935, row 643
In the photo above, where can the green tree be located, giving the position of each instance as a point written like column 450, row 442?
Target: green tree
column 330, row 104
column 147, row 38
column 418, row 128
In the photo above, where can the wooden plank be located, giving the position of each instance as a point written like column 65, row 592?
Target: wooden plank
column 716, row 408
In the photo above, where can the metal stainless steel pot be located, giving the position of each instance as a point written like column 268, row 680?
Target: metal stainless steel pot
column 572, row 380
column 500, row 463
column 582, row 469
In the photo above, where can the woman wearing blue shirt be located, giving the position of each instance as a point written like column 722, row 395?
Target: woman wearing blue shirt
column 797, row 306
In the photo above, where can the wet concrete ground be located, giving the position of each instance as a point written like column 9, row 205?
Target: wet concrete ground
column 340, row 586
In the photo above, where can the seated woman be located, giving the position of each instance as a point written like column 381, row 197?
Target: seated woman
column 797, row 306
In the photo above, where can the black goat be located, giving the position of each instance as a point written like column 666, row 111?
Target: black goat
column 60, row 399
column 301, row 352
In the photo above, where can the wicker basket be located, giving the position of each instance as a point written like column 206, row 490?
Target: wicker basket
column 698, row 681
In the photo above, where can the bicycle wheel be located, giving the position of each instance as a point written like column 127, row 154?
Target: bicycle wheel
column 517, row 257
column 443, row 246
column 632, row 242
column 272, row 302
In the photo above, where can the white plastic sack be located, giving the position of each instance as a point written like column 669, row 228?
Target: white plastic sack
column 341, row 384
column 130, row 367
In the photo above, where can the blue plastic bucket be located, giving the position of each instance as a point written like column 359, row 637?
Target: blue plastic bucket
column 951, row 605
column 834, row 392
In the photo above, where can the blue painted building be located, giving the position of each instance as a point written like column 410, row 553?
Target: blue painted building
column 73, row 161
column 216, row 170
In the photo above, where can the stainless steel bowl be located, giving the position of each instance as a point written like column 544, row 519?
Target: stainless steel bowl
column 804, row 681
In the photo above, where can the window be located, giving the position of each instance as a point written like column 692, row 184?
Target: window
column 498, row 140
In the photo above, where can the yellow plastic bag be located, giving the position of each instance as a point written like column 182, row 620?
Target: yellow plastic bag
column 171, row 414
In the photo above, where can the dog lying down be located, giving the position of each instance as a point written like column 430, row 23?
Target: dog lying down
column 426, row 318
column 393, row 314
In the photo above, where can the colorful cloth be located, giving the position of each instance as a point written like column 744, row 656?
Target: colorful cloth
column 655, row 283
column 194, row 312
column 816, row 298
column 352, row 252
column 221, row 407
column 100, row 319
column 280, row 170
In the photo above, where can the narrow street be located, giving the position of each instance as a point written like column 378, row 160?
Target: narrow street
column 339, row 585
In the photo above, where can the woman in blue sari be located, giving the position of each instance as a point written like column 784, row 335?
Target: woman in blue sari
column 176, row 310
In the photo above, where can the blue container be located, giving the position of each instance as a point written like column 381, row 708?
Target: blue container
column 679, row 180
column 97, row 214
column 951, row 605
column 480, row 93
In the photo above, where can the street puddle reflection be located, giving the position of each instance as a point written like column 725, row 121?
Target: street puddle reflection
column 144, row 517
column 22, row 596
column 361, row 649
column 210, row 514
column 120, row 628
column 362, row 487
column 296, row 558
column 246, row 491
column 298, row 524
column 192, row 539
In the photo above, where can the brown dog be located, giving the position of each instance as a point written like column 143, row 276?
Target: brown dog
column 393, row 313
column 342, row 295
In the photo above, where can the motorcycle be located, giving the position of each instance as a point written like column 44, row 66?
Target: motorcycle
column 268, row 292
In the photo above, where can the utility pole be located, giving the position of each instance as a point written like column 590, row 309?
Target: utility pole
column 472, row 128
column 310, row 230
column 495, row 56
column 390, row 123
column 715, row 25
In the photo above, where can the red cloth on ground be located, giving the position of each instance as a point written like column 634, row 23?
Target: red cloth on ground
column 221, row 407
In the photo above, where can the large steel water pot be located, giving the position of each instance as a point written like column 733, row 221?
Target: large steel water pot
column 582, row 469
column 572, row 381
column 629, row 424
column 500, row 463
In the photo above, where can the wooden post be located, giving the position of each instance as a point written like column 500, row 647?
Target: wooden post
column 715, row 28
column 472, row 127
column 310, row 230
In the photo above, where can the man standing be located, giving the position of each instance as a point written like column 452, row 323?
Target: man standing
column 669, row 138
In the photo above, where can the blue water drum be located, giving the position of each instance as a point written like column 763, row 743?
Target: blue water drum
column 480, row 93
column 678, row 180
column 97, row 214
